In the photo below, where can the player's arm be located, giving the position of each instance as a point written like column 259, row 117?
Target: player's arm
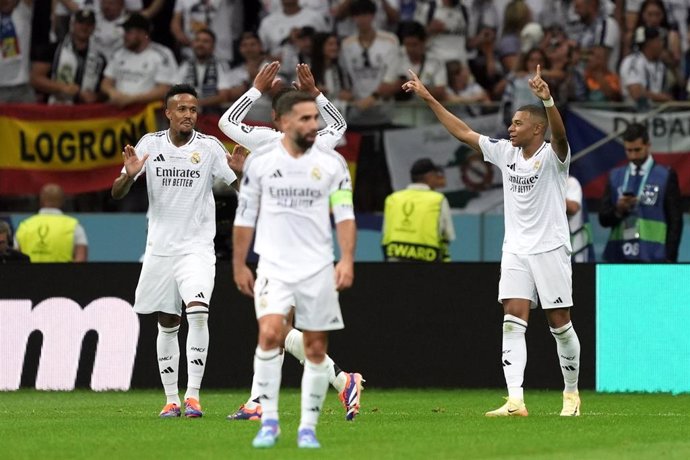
column 231, row 121
column 559, row 141
column 335, row 122
column 246, row 215
column 453, row 124
column 346, row 231
column 132, row 167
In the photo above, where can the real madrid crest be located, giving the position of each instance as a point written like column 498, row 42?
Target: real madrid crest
column 316, row 173
column 537, row 164
column 196, row 158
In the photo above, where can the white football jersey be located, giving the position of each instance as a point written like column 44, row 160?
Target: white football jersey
column 182, row 210
column 534, row 193
column 136, row 73
column 292, row 197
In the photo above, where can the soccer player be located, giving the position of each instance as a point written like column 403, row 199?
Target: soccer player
column 290, row 183
column 348, row 385
column 535, row 266
column 179, row 262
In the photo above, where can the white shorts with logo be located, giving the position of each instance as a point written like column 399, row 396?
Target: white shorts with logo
column 315, row 300
column 545, row 277
column 166, row 282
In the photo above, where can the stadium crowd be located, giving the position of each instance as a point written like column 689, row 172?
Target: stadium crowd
column 468, row 52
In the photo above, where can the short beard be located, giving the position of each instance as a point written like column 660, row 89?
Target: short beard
column 303, row 143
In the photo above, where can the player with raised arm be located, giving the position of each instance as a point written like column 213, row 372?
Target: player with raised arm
column 292, row 182
column 348, row 384
column 535, row 267
column 179, row 264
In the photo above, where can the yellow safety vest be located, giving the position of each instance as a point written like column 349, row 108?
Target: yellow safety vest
column 47, row 237
column 411, row 230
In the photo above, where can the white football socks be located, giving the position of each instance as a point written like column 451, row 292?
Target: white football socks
column 268, row 374
column 197, row 348
column 168, row 351
column 514, row 357
column 314, row 388
column 568, row 348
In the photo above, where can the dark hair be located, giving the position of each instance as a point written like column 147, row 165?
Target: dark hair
column 359, row 7
column 318, row 60
column 289, row 99
column 636, row 131
column 208, row 32
column 184, row 88
column 664, row 22
column 280, row 93
column 411, row 29
column 534, row 110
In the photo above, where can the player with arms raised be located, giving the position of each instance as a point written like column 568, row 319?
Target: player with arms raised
column 535, row 266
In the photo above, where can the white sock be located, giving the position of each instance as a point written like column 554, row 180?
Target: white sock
column 514, row 357
column 294, row 344
column 255, row 394
column 314, row 388
column 268, row 373
column 168, row 350
column 568, row 347
column 197, row 349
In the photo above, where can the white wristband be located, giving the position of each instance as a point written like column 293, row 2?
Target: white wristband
column 548, row 102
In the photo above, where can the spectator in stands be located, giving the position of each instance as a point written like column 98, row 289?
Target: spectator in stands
column 386, row 16
column 653, row 14
column 297, row 50
column 242, row 76
column 8, row 254
column 643, row 73
column 463, row 89
column 330, row 77
column 15, row 43
column 598, row 28
column 601, row 83
column 142, row 71
column 51, row 236
column 108, row 36
column 367, row 55
column 481, row 42
column 578, row 221
column 446, row 27
column 64, row 9
column 222, row 17
column 284, row 26
column 209, row 76
column 71, row 71
column 417, row 224
column 641, row 205
column 516, row 16
column 430, row 70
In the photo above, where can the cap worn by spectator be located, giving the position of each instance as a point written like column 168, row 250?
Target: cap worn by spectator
column 645, row 34
column 423, row 166
column 137, row 21
column 85, row 17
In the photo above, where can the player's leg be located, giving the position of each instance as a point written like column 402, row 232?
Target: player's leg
column 168, row 352
column 157, row 293
column 271, row 306
column 317, row 311
column 517, row 292
column 553, row 274
column 195, row 275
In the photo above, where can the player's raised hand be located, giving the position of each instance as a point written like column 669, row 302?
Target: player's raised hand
column 539, row 86
column 266, row 78
column 305, row 80
column 133, row 164
column 414, row 84
column 236, row 159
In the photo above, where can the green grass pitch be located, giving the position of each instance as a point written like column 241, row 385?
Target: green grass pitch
column 393, row 424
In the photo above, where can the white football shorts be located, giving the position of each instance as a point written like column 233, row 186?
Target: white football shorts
column 166, row 282
column 546, row 277
column 315, row 300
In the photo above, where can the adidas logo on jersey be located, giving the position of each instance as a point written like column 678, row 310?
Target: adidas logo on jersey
column 276, row 174
column 159, row 158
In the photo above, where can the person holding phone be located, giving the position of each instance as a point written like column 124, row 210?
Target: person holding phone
column 641, row 205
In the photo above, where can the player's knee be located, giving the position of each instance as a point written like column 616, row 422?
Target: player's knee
column 270, row 337
column 168, row 320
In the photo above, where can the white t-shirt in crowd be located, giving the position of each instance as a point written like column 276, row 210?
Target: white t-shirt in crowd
column 382, row 54
column 277, row 26
column 533, row 196
column 179, row 180
column 14, row 58
column 136, row 73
